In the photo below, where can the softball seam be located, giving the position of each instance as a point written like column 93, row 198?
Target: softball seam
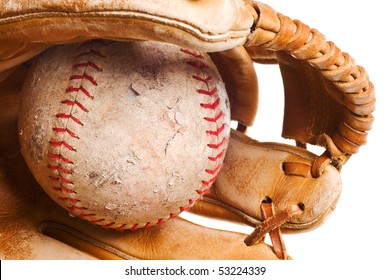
column 59, row 173
column 213, row 106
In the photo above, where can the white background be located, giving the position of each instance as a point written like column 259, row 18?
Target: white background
column 354, row 241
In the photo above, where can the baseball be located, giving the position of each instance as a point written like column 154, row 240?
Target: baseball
column 125, row 135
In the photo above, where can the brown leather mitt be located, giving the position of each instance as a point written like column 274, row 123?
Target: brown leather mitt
column 272, row 187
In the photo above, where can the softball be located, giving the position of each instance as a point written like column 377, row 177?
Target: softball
column 125, row 135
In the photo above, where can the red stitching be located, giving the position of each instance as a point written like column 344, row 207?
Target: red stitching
column 215, row 170
column 83, row 76
column 209, row 182
column 62, row 144
column 160, row 222
column 216, row 132
column 74, row 208
column 107, row 226
column 147, row 225
column 63, row 189
column 95, row 222
column 215, row 118
column 217, row 157
column 80, row 88
column 73, row 103
column 183, row 209
column 203, row 80
column 64, row 185
column 60, row 158
column 212, row 105
column 121, row 227
column 218, row 145
column 134, row 227
column 59, row 168
column 193, row 53
column 208, row 92
column 206, row 191
column 69, row 116
column 65, row 130
column 61, row 179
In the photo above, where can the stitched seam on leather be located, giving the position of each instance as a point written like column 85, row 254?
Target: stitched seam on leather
column 60, row 167
column 212, row 106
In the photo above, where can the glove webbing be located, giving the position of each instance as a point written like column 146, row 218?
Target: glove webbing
column 280, row 33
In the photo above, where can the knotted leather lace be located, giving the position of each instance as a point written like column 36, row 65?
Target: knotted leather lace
column 272, row 224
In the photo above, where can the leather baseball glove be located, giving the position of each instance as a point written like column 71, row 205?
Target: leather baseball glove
column 272, row 187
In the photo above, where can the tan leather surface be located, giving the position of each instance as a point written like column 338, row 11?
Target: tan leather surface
column 309, row 109
column 262, row 55
column 253, row 171
column 202, row 14
column 26, row 26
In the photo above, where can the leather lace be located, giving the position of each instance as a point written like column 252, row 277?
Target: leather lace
column 271, row 225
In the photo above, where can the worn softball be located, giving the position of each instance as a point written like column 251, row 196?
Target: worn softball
column 124, row 134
